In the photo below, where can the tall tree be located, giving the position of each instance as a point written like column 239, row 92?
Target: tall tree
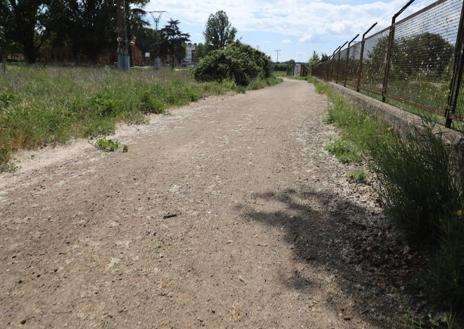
column 88, row 27
column 314, row 59
column 219, row 32
column 24, row 25
column 174, row 41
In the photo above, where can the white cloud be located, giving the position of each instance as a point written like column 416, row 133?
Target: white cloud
column 303, row 19
column 287, row 41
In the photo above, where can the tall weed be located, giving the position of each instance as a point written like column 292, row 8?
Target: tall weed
column 421, row 185
column 40, row 106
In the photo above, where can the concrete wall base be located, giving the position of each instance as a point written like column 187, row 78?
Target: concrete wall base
column 402, row 121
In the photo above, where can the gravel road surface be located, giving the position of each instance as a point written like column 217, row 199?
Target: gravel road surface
column 226, row 213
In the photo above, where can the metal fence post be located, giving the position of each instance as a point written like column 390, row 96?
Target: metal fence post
column 331, row 63
column 391, row 40
column 456, row 81
column 361, row 58
column 327, row 69
column 339, row 58
column 348, row 59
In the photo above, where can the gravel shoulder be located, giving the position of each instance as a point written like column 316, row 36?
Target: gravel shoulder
column 227, row 213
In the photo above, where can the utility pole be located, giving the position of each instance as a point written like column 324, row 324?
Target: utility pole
column 156, row 20
column 277, row 52
column 123, row 44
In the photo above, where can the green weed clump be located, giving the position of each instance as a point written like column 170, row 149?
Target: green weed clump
column 107, row 145
column 421, row 184
column 358, row 175
column 40, row 106
column 345, row 151
column 422, row 190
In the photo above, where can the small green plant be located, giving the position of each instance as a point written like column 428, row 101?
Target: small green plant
column 321, row 87
column 344, row 150
column 152, row 103
column 8, row 167
column 7, row 97
column 358, row 175
column 107, row 145
column 445, row 321
column 125, row 148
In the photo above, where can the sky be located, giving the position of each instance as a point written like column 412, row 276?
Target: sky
column 295, row 27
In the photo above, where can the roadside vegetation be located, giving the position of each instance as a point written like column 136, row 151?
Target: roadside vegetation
column 41, row 106
column 420, row 183
column 236, row 62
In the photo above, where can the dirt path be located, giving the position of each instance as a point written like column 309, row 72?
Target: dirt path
column 225, row 214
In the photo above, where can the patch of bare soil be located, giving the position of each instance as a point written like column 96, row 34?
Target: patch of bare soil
column 225, row 214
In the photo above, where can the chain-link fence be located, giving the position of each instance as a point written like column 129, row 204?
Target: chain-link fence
column 416, row 63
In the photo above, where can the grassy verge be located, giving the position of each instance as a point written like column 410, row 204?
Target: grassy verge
column 40, row 106
column 421, row 186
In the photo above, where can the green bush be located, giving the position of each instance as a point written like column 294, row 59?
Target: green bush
column 419, row 182
column 422, row 191
column 237, row 62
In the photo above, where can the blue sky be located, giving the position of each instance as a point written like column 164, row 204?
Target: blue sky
column 296, row 27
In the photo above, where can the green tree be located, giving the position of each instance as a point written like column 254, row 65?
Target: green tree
column 425, row 53
column 314, row 59
column 149, row 40
column 85, row 26
column 219, row 32
column 201, row 51
column 324, row 57
column 24, row 25
column 174, row 41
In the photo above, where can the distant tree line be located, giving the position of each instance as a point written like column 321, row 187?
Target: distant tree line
column 85, row 29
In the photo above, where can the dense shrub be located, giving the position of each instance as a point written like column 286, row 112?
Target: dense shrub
column 422, row 191
column 237, row 62
column 420, row 185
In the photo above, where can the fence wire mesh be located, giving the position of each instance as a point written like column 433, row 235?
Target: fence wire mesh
column 422, row 56
column 352, row 65
column 460, row 103
column 421, row 62
column 375, row 49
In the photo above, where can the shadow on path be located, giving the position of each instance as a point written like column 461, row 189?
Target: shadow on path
column 371, row 265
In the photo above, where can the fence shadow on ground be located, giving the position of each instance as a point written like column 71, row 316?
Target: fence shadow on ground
column 326, row 232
